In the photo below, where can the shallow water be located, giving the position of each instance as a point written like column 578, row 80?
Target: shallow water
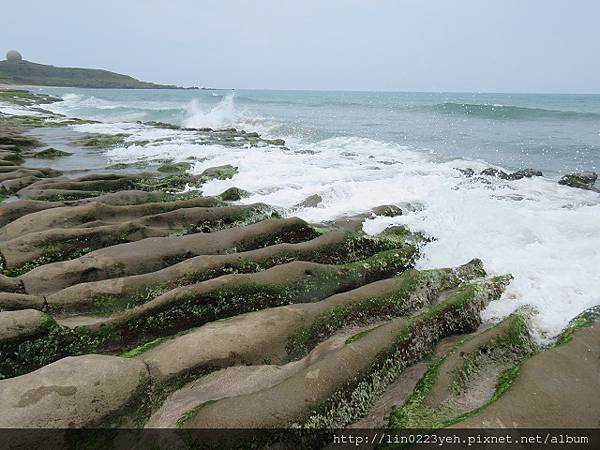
column 360, row 150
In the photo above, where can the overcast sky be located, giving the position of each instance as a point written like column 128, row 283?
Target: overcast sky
column 396, row 45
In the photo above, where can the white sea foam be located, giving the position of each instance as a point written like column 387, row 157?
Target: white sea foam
column 547, row 236
column 544, row 234
column 15, row 110
column 220, row 116
column 224, row 115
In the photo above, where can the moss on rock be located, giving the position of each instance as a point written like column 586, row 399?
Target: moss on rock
column 51, row 153
column 457, row 314
column 492, row 357
column 174, row 167
column 102, row 140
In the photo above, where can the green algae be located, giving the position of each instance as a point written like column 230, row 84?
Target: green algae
column 102, row 140
column 56, row 342
column 233, row 194
column 68, row 196
column 586, row 319
column 192, row 412
column 195, row 310
column 25, row 98
column 362, row 247
column 51, row 153
column 506, row 351
column 174, row 167
column 458, row 314
column 356, row 337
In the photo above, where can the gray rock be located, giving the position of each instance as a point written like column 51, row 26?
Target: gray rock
column 491, row 172
column 277, row 142
column 519, row 174
column 525, row 173
column 468, row 172
column 21, row 323
column 219, row 172
column 580, row 180
column 73, row 392
column 310, row 202
column 233, row 194
column 387, row 211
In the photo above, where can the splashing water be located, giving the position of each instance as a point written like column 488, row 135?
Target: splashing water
column 221, row 116
column 358, row 151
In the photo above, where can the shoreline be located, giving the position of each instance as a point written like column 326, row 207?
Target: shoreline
column 179, row 293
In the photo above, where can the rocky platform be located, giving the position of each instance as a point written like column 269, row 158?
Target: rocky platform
column 125, row 303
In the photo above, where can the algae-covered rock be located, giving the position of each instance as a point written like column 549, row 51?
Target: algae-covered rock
column 51, row 153
column 153, row 254
column 102, row 140
column 468, row 377
column 121, row 293
column 580, row 180
column 519, row 174
column 19, row 324
column 74, row 392
column 20, row 301
column 219, row 172
column 557, row 388
column 310, row 202
column 334, row 388
column 290, row 332
column 387, row 211
column 174, row 167
column 233, row 194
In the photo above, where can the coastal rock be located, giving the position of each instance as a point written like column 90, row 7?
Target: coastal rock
column 18, row 301
column 174, row 167
column 580, row 180
column 156, row 253
column 555, row 388
column 22, row 323
column 466, row 377
column 387, row 211
column 468, row 172
column 310, row 202
column 291, row 332
column 233, row 194
column 526, row 173
column 51, row 153
column 400, row 340
column 219, row 172
column 519, row 174
column 71, row 393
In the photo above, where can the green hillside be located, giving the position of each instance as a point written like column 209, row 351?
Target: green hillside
column 25, row 72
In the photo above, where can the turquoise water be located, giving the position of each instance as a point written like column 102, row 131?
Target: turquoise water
column 554, row 133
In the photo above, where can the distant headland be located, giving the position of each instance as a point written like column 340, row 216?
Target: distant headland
column 17, row 71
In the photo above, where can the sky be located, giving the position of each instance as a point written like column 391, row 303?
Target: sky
column 385, row 45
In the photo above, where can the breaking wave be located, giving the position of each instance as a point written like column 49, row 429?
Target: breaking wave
column 510, row 112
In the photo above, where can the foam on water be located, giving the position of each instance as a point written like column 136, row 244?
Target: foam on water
column 222, row 115
column 15, row 110
column 546, row 235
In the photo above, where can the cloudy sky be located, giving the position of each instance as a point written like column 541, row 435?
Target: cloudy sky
column 396, row 45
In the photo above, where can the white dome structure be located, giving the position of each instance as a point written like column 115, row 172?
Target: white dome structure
column 13, row 55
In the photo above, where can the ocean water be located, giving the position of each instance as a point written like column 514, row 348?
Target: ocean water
column 358, row 150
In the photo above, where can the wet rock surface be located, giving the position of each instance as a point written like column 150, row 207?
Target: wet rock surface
column 580, row 180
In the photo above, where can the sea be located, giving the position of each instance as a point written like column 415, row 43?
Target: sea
column 358, row 150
